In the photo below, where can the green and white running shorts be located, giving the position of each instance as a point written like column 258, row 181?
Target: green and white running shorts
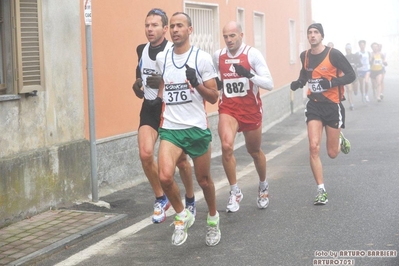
column 193, row 141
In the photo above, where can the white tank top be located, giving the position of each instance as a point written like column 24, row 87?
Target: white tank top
column 147, row 68
column 365, row 61
column 184, row 106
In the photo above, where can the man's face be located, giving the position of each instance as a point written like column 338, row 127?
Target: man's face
column 362, row 45
column 232, row 38
column 154, row 31
column 314, row 37
column 179, row 30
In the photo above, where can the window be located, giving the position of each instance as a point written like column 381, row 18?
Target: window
column 259, row 33
column 241, row 20
column 292, row 42
column 21, row 55
column 206, row 27
column 6, row 78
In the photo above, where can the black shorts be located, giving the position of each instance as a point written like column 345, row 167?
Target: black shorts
column 330, row 114
column 374, row 74
column 150, row 115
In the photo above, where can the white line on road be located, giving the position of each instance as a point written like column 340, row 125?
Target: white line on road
column 115, row 238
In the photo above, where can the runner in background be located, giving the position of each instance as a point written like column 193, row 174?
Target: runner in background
column 354, row 60
column 363, row 72
column 326, row 71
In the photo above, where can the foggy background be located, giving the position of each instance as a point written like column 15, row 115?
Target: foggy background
column 348, row 21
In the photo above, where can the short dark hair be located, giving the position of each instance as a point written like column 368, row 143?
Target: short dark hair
column 161, row 13
column 374, row 43
column 187, row 16
column 362, row 41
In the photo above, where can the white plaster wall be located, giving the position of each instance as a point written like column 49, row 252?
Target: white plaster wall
column 64, row 81
column 55, row 115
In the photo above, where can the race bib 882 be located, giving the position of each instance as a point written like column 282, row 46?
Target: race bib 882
column 237, row 87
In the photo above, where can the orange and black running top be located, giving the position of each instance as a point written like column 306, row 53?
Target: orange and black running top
column 330, row 64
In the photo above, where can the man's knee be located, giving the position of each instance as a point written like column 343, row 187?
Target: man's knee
column 166, row 181
column 183, row 163
column 255, row 154
column 203, row 181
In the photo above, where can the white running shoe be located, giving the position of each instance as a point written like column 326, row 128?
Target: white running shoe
column 213, row 234
column 234, row 201
column 181, row 226
column 263, row 198
column 160, row 208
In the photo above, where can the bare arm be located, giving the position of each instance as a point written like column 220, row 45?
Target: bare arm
column 208, row 90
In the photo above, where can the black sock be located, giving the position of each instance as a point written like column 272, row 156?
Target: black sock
column 190, row 200
column 163, row 197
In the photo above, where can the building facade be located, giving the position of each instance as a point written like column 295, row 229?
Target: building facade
column 44, row 123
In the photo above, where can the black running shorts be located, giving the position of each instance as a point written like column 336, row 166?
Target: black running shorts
column 150, row 115
column 331, row 114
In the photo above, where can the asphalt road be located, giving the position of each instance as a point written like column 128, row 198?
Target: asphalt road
column 362, row 214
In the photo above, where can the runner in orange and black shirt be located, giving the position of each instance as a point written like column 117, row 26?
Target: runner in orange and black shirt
column 326, row 71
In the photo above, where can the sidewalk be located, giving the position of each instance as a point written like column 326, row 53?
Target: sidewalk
column 44, row 233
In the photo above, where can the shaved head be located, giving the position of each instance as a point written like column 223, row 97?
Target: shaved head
column 232, row 35
column 233, row 26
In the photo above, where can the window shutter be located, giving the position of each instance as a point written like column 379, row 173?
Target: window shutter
column 29, row 46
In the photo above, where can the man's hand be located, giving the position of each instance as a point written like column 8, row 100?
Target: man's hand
column 296, row 85
column 137, row 88
column 191, row 76
column 325, row 83
column 219, row 83
column 154, row 80
column 240, row 70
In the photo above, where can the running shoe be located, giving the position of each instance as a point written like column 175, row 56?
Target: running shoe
column 181, row 226
column 321, row 198
column 345, row 144
column 367, row 98
column 234, row 201
column 191, row 207
column 263, row 198
column 213, row 234
column 160, row 208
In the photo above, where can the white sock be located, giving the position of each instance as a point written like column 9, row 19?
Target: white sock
column 213, row 218
column 182, row 214
column 263, row 184
column 234, row 187
column 321, row 186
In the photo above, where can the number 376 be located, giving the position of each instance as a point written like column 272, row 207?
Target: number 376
column 177, row 96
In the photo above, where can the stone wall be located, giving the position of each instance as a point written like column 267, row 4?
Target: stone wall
column 36, row 181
